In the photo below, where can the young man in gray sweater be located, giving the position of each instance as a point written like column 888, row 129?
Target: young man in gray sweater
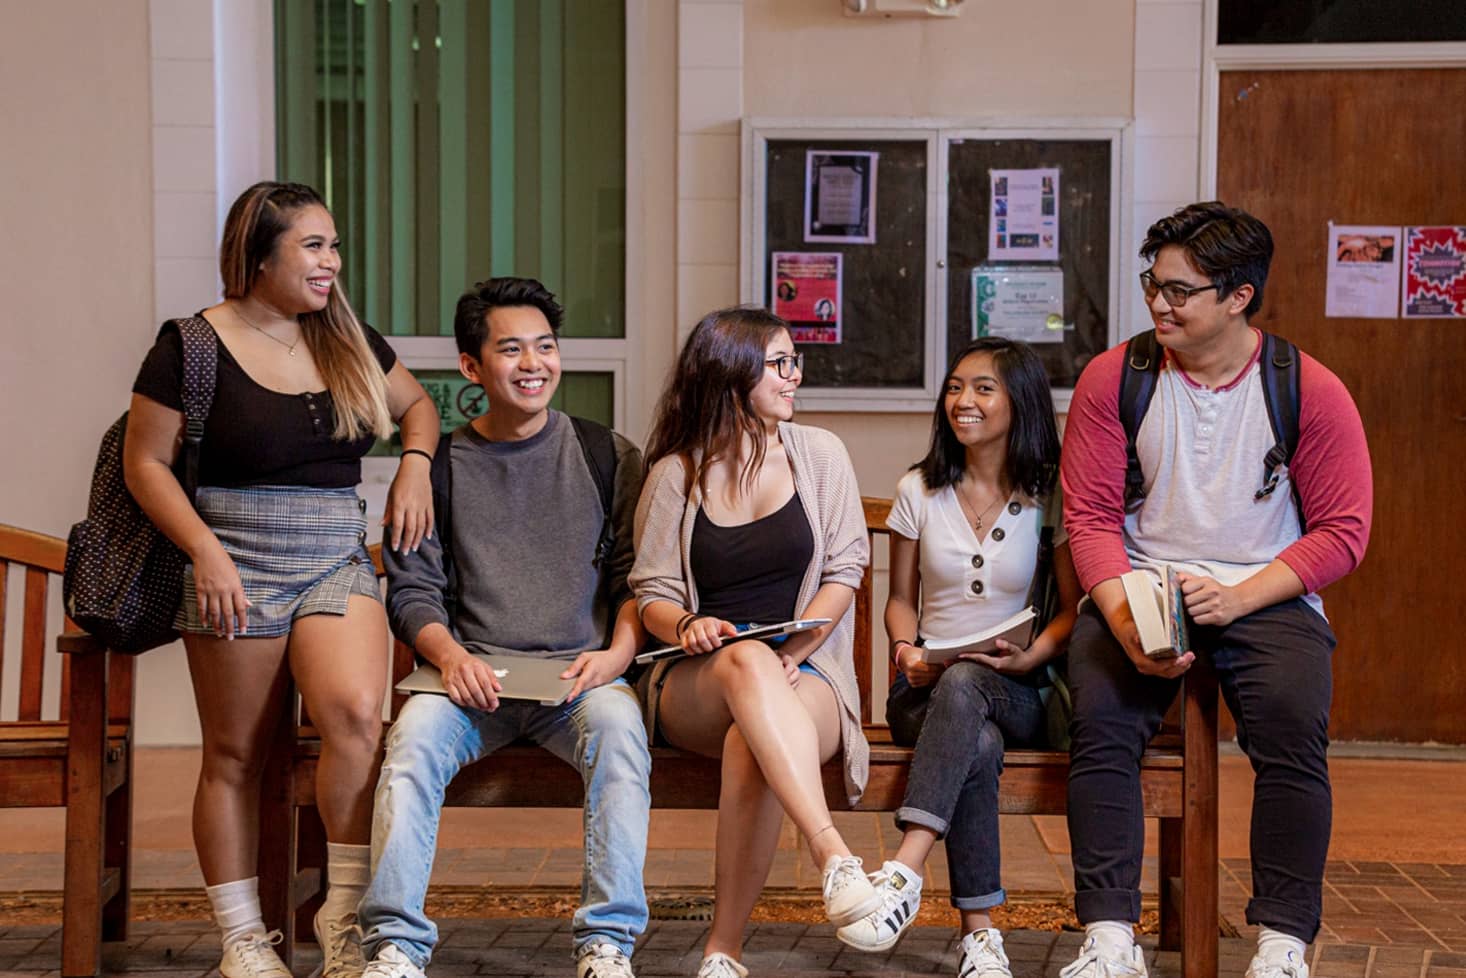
column 520, row 564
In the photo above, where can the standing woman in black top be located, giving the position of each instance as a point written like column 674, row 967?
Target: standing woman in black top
column 280, row 577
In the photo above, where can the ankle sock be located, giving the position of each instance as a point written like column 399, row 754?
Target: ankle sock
column 1274, row 945
column 1115, row 937
column 348, row 871
column 237, row 908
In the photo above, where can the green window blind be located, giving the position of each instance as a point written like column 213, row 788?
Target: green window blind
column 459, row 139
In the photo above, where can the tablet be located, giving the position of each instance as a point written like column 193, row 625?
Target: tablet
column 753, row 631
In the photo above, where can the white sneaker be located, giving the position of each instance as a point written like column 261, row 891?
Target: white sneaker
column 1291, row 967
column 900, row 892
column 253, row 956
column 983, row 956
column 392, row 962
column 1097, row 962
column 603, row 959
column 849, row 894
column 719, row 965
column 340, row 942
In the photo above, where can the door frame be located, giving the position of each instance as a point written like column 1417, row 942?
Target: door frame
column 1217, row 58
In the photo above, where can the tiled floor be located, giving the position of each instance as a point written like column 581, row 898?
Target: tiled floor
column 1394, row 903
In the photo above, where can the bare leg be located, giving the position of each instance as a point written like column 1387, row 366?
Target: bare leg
column 340, row 662
column 916, row 845
column 239, row 687
column 975, row 920
column 749, row 820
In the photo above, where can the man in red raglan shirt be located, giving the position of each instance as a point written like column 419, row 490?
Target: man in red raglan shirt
column 1250, row 576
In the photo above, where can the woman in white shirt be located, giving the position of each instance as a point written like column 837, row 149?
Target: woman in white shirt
column 966, row 525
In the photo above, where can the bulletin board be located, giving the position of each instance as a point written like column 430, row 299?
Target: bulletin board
column 907, row 296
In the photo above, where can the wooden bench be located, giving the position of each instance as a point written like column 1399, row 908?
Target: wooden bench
column 1178, row 781
column 82, row 760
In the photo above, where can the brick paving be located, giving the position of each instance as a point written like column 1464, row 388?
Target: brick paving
column 541, row 947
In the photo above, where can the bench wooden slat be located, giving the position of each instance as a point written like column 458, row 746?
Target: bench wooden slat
column 32, row 644
column 4, row 581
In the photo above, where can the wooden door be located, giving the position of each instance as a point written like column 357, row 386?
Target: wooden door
column 1301, row 148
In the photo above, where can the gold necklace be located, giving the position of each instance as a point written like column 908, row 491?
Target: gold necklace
column 977, row 521
column 289, row 347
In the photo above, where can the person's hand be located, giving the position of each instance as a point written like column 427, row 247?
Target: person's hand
column 1210, row 602
column 1129, row 638
column 1008, row 659
column 469, row 681
column 706, row 635
column 410, row 503
column 917, row 672
column 791, row 669
column 222, row 604
column 592, row 669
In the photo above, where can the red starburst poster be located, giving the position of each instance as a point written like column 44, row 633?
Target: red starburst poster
column 1435, row 273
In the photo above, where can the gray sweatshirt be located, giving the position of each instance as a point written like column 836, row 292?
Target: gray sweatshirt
column 525, row 518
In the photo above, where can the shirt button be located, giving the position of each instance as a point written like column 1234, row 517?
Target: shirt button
column 998, row 533
column 1014, row 508
column 977, row 587
column 976, row 561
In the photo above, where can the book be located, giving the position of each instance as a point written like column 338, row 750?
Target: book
column 1017, row 630
column 1159, row 610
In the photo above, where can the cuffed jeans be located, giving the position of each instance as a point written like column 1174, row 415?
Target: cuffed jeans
column 1274, row 670
column 959, row 726
column 600, row 733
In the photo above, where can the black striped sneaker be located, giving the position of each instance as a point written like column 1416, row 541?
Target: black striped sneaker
column 983, row 955
column 900, row 893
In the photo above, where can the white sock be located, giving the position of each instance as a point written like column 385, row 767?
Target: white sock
column 237, row 908
column 1114, row 937
column 348, row 871
column 910, row 874
column 1274, row 945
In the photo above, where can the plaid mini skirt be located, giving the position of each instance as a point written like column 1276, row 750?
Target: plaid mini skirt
column 298, row 551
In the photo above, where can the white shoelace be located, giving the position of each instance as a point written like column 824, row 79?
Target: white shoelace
column 721, row 966
column 605, row 960
column 847, row 873
column 983, row 955
column 343, row 958
column 1267, row 968
column 256, row 954
column 1094, row 963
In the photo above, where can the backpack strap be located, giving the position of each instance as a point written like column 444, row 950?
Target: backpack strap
column 598, row 445
column 1279, row 361
column 200, row 373
column 1137, row 386
column 440, row 476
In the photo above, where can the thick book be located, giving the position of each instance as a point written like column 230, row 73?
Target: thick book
column 1159, row 610
column 1017, row 631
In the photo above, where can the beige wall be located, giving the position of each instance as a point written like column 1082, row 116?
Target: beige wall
column 76, row 259
column 997, row 57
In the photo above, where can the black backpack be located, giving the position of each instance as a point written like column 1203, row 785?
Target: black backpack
column 1279, row 361
column 123, row 578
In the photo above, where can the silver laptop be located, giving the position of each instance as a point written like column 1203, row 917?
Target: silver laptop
column 523, row 677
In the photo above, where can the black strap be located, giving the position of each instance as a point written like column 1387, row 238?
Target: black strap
column 599, row 447
column 200, row 372
column 1280, row 391
column 1137, row 386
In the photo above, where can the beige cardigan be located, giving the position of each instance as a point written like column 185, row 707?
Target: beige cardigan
column 825, row 481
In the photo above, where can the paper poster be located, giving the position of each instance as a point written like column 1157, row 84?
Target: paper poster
column 840, row 197
column 1364, row 271
column 807, row 294
column 1024, row 223
column 1020, row 303
column 1435, row 272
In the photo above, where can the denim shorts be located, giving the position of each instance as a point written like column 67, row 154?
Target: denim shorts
column 298, row 552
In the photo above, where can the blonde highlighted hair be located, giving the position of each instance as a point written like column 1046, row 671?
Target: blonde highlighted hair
column 334, row 336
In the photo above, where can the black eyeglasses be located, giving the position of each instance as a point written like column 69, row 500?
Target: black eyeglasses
column 787, row 364
column 1175, row 293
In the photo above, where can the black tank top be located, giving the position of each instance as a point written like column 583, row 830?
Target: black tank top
column 752, row 572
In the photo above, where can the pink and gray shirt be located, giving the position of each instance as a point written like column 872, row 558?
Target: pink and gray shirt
column 1201, row 452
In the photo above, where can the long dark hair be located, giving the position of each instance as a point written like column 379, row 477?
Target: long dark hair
column 1032, row 464
column 707, row 409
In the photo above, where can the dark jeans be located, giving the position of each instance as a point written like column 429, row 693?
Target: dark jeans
column 1274, row 670
column 959, row 725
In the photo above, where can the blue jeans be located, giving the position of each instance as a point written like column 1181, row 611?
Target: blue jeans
column 600, row 733
column 959, row 726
